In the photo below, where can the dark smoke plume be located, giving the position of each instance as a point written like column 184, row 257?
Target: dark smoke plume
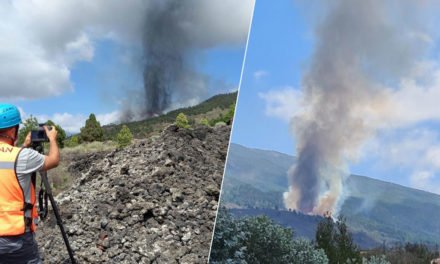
column 174, row 32
column 166, row 46
column 360, row 46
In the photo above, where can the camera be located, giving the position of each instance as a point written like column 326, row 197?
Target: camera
column 39, row 135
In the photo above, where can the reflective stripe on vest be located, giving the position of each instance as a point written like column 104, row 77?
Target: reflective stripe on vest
column 12, row 199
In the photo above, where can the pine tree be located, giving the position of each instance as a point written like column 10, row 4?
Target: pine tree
column 346, row 248
column 337, row 242
column 92, row 131
column 124, row 137
column 325, row 238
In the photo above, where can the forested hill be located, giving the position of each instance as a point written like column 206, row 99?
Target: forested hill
column 212, row 109
column 387, row 212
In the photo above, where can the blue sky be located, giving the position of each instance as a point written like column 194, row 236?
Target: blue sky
column 278, row 47
column 60, row 66
column 99, row 84
column 405, row 145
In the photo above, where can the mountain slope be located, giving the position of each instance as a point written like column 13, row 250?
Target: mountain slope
column 211, row 108
column 388, row 212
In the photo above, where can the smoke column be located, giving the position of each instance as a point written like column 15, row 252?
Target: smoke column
column 166, row 46
column 174, row 32
column 360, row 46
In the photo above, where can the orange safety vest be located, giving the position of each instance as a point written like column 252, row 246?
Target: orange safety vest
column 13, row 205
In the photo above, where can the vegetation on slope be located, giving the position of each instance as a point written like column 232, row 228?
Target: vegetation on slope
column 216, row 107
column 384, row 211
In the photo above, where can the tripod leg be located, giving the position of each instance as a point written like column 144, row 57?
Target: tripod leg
column 57, row 215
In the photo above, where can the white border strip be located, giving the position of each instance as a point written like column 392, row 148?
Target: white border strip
column 232, row 129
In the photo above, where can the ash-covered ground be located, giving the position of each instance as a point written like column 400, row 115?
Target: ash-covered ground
column 152, row 202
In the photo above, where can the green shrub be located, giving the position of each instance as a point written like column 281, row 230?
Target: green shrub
column 220, row 123
column 204, row 121
column 230, row 114
column 182, row 121
column 72, row 142
column 124, row 137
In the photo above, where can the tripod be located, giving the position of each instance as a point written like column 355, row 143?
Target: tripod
column 46, row 192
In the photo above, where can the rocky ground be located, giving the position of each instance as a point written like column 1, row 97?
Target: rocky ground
column 152, row 202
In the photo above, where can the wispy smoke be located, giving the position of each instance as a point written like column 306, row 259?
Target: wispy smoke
column 174, row 33
column 361, row 46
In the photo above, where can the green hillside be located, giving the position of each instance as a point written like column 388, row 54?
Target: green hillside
column 266, row 170
column 387, row 212
column 211, row 108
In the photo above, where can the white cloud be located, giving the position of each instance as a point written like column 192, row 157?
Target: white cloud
column 41, row 40
column 417, row 103
column 421, row 36
column 416, row 151
column 425, row 180
column 258, row 75
column 282, row 103
column 72, row 123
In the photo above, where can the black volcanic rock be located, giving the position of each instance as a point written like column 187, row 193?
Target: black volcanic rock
column 152, row 202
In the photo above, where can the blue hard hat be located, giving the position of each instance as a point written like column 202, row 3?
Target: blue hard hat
column 9, row 116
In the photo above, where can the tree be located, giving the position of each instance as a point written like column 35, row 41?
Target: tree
column 346, row 248
column 228, row 241
column 61, row 136
column 265, row 237
column 28, row 125
column 325, row 238
column 182, row 121
column 92, row 131
column 336, row 241
column 124, row 137
column 259, row 240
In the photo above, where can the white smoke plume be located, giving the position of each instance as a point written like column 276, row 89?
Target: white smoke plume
column 361, row 48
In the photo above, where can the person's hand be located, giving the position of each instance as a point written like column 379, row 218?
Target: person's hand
column 51, row 134
column 27, row 141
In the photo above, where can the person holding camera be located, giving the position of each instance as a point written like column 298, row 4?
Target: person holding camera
column 18, row 211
